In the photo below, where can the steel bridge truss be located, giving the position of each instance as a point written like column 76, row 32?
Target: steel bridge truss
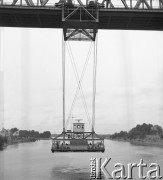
column 80, row 23
column 108, row 4
column 131, row 4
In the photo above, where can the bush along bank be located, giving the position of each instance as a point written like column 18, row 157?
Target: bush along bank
column 145, row 134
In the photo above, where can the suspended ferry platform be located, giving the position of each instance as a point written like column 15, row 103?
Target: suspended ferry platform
column 78, row 141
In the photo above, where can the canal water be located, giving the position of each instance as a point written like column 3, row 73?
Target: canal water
column 34, row 161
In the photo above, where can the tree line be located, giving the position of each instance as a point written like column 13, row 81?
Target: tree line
column 23, row 134
column 32, row 133
column 140, row 132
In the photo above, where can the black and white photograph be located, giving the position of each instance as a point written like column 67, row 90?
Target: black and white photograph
column 81, row 89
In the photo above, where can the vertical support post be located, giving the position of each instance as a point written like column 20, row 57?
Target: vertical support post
column 63, row 78
column 25, row 77
column 63, row 12
column 94, row 84
column 93, row 108
column 151, row 4
column 131, row 4
column 97, row 14
column 20, row 2
column 80, row 13
column 1, row 80
column 93, row 139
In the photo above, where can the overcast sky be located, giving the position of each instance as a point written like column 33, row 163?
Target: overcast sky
column 129, row 79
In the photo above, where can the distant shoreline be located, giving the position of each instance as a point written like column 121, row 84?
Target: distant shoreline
column 142, row 142
column 20, row 142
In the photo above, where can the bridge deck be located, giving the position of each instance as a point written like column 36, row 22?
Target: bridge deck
column 51, row 17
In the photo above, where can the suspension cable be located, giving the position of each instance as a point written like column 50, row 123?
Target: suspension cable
column 81, row 78
column 77, row 79
column 63, row 79
column 78, row 82
column 94, row 84
column 2, row 81
column 78, row 87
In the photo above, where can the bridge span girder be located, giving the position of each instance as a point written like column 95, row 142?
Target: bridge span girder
column 51, row 17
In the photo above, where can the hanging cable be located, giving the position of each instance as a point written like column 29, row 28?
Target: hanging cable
column 94, row 84
column 63, row 78
column 78, row 87
column 79, row 83
column 77, row 79
column 2, row 81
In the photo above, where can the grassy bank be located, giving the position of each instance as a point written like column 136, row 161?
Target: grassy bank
column 153, row 141
column 144, row 135
column 146, row 142
column 20, row 140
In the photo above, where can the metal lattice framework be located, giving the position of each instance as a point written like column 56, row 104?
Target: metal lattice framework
column 80, row 24
column 109, row 4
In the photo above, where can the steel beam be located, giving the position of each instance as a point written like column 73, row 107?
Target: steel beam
column 37, row 17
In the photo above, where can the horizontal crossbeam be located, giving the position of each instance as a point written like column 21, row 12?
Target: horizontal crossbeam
column 107, row 4
column 50, row 17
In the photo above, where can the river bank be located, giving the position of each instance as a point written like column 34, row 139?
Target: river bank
column 147, row 143
column 141, row 142
column 23, row 140
column 16, row 141
column 143, row 135
column 3, row 142
column 11, row 141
